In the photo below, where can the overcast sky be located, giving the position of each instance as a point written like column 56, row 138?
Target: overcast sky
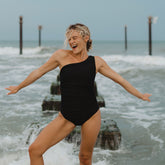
column 105, row 18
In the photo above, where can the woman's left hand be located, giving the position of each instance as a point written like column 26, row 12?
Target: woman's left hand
column 146, row 96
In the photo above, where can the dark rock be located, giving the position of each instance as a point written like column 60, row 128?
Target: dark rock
column 109, row 136
column 55, row 88
column 53, row 102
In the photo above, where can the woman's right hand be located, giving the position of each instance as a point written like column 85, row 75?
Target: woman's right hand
column 12, row 89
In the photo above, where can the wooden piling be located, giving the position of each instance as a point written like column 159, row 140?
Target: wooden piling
column 125, row 37
column 150, row 34
column 39, row 29
column 21, row 36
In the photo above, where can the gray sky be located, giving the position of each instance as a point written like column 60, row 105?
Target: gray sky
column 105, row 18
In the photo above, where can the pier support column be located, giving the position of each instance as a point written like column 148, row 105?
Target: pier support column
column 39, row 39
column 125, row 37
column 20, row 32
column 150, row 34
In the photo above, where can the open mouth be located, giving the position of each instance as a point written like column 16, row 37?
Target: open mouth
column 74, row 46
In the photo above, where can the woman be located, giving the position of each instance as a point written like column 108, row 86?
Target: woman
column 79, row 105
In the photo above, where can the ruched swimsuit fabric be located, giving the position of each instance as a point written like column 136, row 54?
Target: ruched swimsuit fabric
column 78, row 100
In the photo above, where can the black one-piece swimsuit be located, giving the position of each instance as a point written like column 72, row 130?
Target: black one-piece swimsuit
column 78, row 100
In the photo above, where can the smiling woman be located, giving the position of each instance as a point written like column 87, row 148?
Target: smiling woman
column 82, row 30
column 78, row 101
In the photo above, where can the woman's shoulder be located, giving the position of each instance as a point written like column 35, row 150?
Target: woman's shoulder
column 61, row 53
column 98, row 59
column 99, row 62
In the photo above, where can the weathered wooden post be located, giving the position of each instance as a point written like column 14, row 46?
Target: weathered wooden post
column 150, row 34
column 20, row 36
column 39, row 29
column 125, row 37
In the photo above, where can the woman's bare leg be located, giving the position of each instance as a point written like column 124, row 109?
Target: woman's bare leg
column 89, row 133
column 54, row 132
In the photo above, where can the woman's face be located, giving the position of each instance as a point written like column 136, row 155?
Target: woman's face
column 77, row 42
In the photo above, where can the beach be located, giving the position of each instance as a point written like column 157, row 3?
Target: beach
column 142, row 124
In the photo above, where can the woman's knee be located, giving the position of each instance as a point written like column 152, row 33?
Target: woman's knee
column 35, row 150
column 85, row 158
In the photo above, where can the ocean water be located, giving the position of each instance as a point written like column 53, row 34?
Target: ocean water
column 142, row 124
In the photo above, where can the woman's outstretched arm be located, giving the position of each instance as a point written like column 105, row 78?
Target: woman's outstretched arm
column 51, row 64
column 104, row 69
